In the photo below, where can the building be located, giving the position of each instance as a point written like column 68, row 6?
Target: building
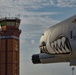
column 9, row 46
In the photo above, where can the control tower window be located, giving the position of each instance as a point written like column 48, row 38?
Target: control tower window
column 12, row 23
column 8, row 23
column 17, row 24
column 0, row 26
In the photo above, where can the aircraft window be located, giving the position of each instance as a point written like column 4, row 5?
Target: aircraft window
column 71, row 34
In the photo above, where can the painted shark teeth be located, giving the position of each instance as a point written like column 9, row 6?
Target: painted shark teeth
column 61, row 45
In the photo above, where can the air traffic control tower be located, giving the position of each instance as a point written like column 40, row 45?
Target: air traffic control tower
column 9, row 46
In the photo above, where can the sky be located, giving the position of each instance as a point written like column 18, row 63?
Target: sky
column 36, row 16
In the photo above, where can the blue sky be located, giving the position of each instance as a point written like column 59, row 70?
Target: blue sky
column 36, row 16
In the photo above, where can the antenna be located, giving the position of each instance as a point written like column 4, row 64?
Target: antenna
column 18, row 15
column 9, row 14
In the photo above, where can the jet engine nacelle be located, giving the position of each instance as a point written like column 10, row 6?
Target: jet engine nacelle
column 58, row 43
column 46, row 58
column 49, row 58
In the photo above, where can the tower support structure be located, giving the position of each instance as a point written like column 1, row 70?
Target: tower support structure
column 9, row 46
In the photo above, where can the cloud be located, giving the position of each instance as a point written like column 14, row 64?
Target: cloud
column 36, row 4
column 39, row 20
column 14, row 7
column 40, row 13
column 66, row 3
